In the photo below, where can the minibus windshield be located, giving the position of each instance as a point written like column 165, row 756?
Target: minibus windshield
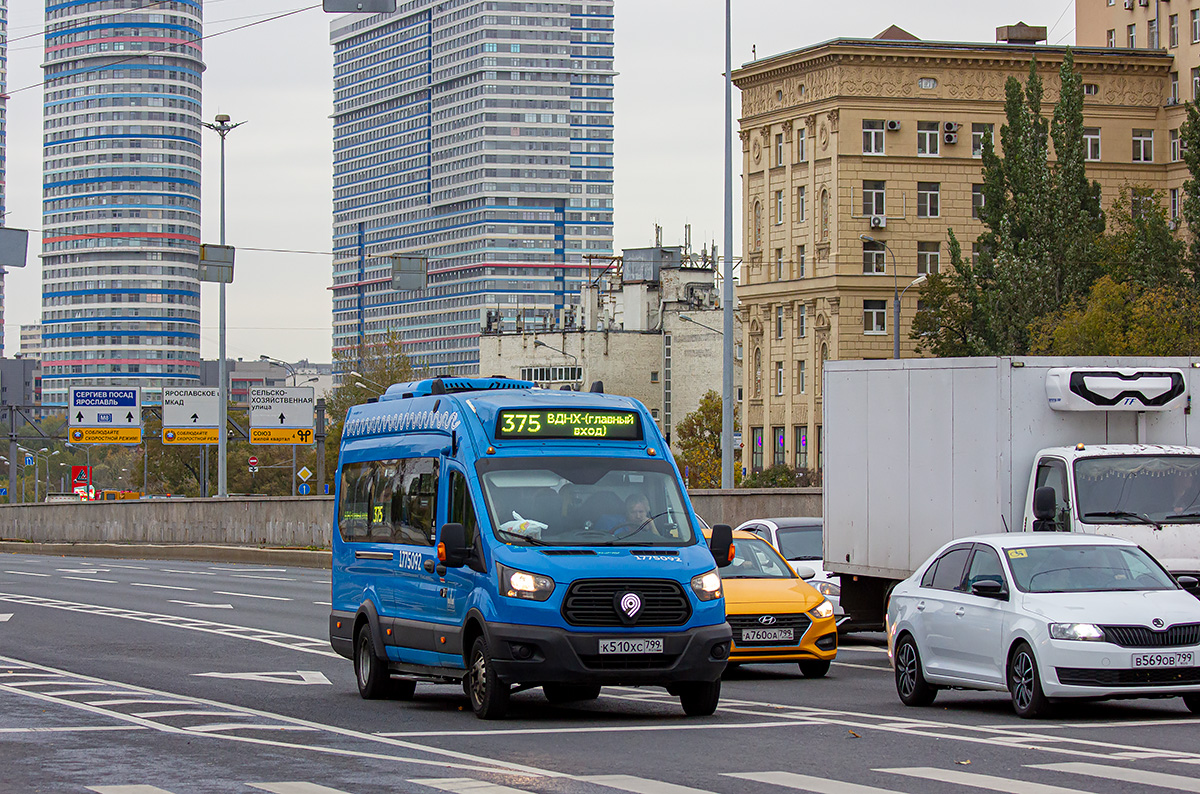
column 585, row 502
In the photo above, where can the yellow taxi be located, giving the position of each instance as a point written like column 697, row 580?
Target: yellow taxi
column 775, row 615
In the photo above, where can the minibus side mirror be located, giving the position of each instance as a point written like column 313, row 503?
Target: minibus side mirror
column 1044, row 509
column 721, row 544
column 452, row 546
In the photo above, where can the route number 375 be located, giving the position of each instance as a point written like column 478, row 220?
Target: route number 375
column 521, row 423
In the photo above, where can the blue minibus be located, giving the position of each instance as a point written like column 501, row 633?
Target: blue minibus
column 507, row 537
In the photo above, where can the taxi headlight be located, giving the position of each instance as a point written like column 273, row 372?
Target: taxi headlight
column 1076, row 631
column 707, row 586
column 522, row 584
column 828, row 589
column 823, row 610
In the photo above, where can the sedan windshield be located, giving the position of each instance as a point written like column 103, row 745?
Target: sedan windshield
column 585, row 502
column 1142, row 489
column 800, row 543
column 755, row 559
column 1085, row 569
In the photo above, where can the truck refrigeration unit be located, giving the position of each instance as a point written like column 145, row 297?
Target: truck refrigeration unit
column 920, row 452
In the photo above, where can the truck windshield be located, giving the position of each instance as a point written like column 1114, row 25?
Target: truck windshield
column 585, row 502
column 1085, row 569
column 1140, row 489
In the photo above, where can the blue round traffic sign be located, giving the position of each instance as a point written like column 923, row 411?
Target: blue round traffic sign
column 304, row 488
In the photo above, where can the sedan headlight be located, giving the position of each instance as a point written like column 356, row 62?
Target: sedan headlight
column 522, row 584
column 1076, row 631
column 824, row 610
column 828, row 589
column 707, row 586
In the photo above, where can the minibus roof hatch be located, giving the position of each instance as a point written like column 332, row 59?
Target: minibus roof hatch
column 424, row 388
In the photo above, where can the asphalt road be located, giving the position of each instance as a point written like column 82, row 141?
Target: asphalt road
column 139, row 677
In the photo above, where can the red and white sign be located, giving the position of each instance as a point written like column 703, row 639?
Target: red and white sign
column 81, row 475
column 253, row 460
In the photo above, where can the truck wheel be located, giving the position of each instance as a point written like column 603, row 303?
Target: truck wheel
column 1025, row 685
column 487, row 693
column 1192, row 702
column 699, row 698
column 814, row 668
column 911, row 685
column 371, row 671
column 570, row 693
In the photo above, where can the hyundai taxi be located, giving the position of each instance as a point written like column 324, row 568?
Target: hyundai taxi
column 775, row 615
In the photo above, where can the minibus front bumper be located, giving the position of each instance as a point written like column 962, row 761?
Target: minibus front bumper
column 540, row 654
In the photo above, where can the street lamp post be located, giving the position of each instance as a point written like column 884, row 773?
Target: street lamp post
column 222, row 127
column 866, row 238
column 727, row 273
column 685, row 318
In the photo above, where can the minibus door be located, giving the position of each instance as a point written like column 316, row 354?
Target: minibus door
column 458, row 583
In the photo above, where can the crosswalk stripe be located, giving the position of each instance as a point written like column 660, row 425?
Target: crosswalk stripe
column 295, row 788
column 139, row 789
column 975, row 780
column 640, row 785
column 1142, row 776
column 466, row 785
column 817, row 785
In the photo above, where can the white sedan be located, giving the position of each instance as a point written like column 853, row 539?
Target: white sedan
column 800, row 542
column 1044, row 616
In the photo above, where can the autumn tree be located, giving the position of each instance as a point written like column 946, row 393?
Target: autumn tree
column 697, row 443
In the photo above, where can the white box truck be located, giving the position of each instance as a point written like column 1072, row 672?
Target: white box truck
column 919, row 452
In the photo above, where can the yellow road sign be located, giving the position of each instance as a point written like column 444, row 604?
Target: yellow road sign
column 105, row 435
column 281, row 435
column 190, row 435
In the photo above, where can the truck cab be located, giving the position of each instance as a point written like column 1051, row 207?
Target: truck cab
column 1145, row 493
column 499, row 535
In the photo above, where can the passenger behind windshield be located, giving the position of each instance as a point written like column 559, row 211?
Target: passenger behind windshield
column 584, row 502
column 1085, row 569
column 1140, row 489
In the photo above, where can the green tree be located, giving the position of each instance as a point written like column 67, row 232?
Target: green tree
column 697, row 443
column 1189, row 207
column 1141, row 248
column 1123, row 319
column 1041, row 222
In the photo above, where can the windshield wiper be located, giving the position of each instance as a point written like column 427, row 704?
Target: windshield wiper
column 648, row 522
column 1167, row 519
column 526, row 538
column 1145, row 519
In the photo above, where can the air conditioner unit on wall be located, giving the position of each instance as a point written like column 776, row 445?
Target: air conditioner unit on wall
column 893, row 125
column 950, row 137
column 878, row 221
column 1128, row 5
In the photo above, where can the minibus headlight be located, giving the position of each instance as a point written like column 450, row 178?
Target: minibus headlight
column 522, row 584
column 824, row 609
column 707, row 586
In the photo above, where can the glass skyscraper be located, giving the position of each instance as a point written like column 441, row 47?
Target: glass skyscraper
column 478, row 135
column 121, row 195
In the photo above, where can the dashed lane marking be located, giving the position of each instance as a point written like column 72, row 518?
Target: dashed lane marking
column 251, row 595
column 27, row 573
column 162, row 586
column 91, row 579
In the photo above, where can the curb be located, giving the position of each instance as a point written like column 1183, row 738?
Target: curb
column 299, row 558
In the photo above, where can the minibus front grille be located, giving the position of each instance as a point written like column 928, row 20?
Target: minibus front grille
column 657, row 661
column 593, row 602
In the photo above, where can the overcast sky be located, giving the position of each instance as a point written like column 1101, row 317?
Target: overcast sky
column 278, row 77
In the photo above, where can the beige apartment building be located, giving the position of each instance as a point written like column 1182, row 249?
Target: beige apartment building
column 882, row 137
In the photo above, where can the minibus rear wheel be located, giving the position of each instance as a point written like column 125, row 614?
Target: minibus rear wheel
column 371, row 671
column 487, row 693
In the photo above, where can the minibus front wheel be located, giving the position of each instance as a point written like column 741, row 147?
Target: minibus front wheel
column 369, row 669
column 698, row 698
column 487, row 693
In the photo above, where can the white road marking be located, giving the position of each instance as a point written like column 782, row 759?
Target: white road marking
column 863, row 666
column 74, row 729
column 162, row 586
column 82, row 570
column 1141, row 776
column 268, row 578
column 782, row 722
column 449, row 759
column 128, row 701
column 818, row 785
column 5, row 617
column 200, row 604
column 466, row 785
column 322, row 603
column 640, row 785
column 860, row 649
column 90, row 579
column 989, row 782
column 192, row 573
column 251, row 595
column 300, row 677
column 182, row 713
column 295, row 788
column 246, row 570
column 139, row 789
column 27, row 573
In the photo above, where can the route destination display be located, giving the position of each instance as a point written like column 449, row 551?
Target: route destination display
column 610, row 425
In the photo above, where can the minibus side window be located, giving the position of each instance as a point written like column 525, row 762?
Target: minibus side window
column 354, row 509
column 410, row 501
column 462, row 509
